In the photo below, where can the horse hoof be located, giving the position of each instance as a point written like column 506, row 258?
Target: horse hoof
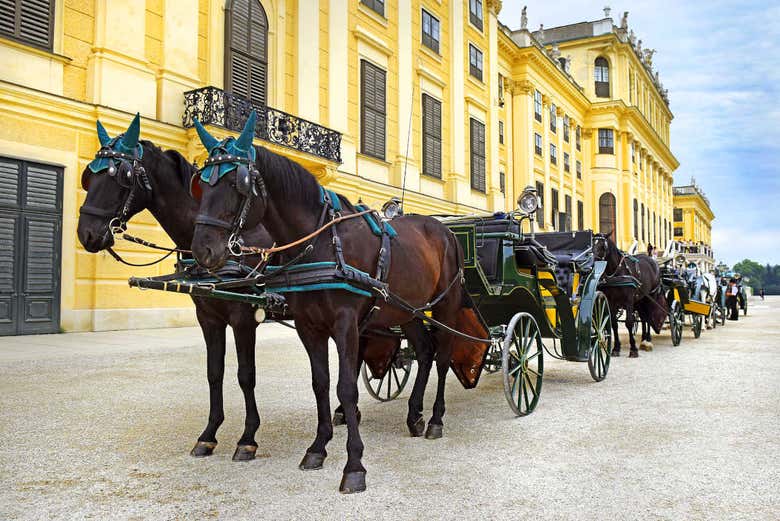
column 245, row 453
column 416, row 429
column 203, row 449
column 353, row 482
column 616, row 352
column 633, row 354
column 434, row 432
column 312, row 461
column 649, row 346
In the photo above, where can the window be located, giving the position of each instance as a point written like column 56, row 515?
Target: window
column 678, row 216
column 475, row 13
column 502, row 182
column 606, row 141
column 431, row 136
column 477, row 155
column 678, row 232
column 578, row 138
column 553, row 154
column 375, row 5
column 566, row 128
column 636, row 219
column 430, row 31
column 246, row 50
column 633, row 153
column 28, row 21
column 642, row 213
column 500, row 90
column 566, row 225
column 538, row 106
column 554, row 208
column 475, row 62
column 580, row 215
column 566, row 165
column 501, row 132
column 540, row 213
column 372, row 110
column 602, row 77
column 538, row 144
column 666, row 232
column 607, row 220
column 630, row 87
column 579, row 169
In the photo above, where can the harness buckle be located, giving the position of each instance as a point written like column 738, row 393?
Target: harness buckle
column 235, row 245
column 116, row 226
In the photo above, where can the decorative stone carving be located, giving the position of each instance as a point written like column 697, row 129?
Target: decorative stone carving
column 524, row 18
column 624, row 21
column 632, row 37
column 494, row 6
column 541, row 32
column 567, row 66
column 555, row 52
column 649, row 56
column 607, row 11
column 639, row 47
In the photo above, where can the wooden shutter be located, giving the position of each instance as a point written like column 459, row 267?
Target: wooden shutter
column 29, row 21
column 431, row 136
column 554, row 208
column 477, row 155
column 246, row 49
column 373, row 103
column 607, row 208
column 540, row 212
column 580, row 215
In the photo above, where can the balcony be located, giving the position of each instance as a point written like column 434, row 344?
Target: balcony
column 213, row 106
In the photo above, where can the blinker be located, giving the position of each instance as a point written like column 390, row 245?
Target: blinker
column 243, row 181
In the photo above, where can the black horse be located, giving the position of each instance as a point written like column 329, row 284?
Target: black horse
column 260, row 187
column 631, row 282
column 129, row 176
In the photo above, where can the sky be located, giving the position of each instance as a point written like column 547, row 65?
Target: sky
column 720, row 62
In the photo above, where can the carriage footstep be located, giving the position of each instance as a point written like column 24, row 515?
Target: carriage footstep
column 434, row 432
column 245, row 453
column 203, row 449
column 416, row 430
column 353, row 482
column 312, row 461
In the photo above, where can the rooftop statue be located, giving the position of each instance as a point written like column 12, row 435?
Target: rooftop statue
column 524, row 18
column 624, row 21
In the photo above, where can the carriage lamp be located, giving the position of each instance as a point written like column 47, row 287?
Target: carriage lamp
column 392, row 208
column 528, row 202
column 260, row 315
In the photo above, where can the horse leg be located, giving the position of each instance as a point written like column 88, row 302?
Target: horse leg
column 423, row 348
column 338, row 414
column 245, row 353
column 443, row 358
column 647, row 335
column 345, row 333
column 615, row 332
column 214, row 334
column 316, row 344
column 633, row 352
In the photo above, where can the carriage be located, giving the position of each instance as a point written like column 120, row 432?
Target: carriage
column 681, row 288
column 525, row 287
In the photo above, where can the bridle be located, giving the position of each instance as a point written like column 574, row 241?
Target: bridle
column 129, row 173
column 249, row 185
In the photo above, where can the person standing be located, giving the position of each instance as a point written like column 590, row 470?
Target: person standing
column 731, row 299
column 761, row 293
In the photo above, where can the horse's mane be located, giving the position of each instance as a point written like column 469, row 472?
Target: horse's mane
column 184, row 169
column 292, row 180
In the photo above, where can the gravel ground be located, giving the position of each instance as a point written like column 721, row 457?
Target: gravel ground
column 99, row 426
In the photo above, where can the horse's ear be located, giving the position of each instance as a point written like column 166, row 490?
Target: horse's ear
column 85, row 178
column 207, row 139
column 244, row 141
column 133, row 132
column 195, row 190
column 103, row 136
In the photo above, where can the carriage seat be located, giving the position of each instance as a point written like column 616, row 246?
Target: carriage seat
column 567, row 248
column 488, row 248
column 530, row 253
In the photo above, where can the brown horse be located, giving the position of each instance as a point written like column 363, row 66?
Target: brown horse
column 116, row 191
column 426, row 262
column 631, row 282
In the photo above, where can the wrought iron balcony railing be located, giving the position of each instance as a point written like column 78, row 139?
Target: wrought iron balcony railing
column 213, row 106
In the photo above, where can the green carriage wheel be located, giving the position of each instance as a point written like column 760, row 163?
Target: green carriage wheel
column 600, row 338
column 697, row 320
column 392, row 383
column 522, row 363
column 676, row 318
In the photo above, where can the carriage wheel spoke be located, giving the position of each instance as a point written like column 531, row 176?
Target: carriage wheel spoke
column 395, row 375
column 531, row 385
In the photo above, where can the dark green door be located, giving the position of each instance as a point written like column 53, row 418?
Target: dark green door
column 30, row 239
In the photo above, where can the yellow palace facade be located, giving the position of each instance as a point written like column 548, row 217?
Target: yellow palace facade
column 692, row 220
column 370, row 95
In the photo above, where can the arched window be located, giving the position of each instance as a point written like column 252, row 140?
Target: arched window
column 246, row 50
column 607, row 218
column 601, row 74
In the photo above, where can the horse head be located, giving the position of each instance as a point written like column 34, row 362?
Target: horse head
column 231, row 192
column 116, row 185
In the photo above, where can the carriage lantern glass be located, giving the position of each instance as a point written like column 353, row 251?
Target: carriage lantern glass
column 528, row 202
column 392, row 209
